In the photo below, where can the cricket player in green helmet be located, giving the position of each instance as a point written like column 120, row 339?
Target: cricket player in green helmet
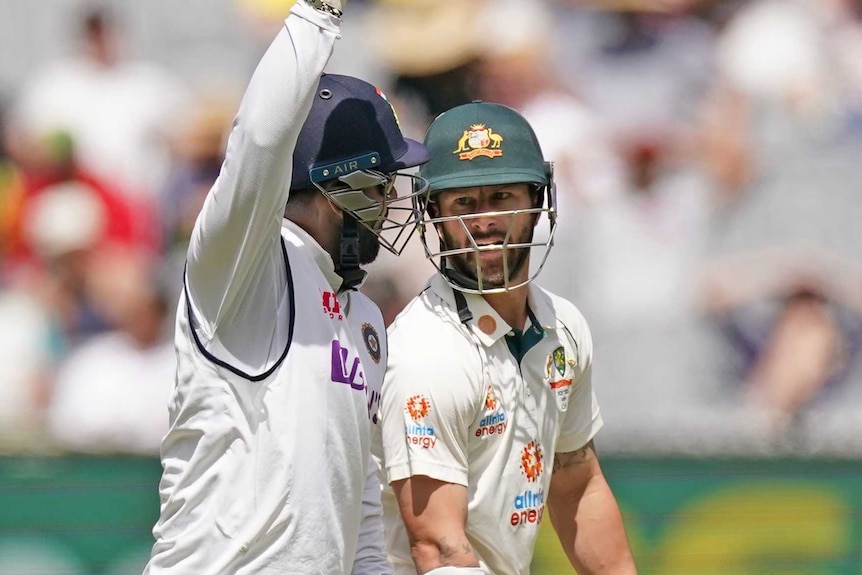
column 488, row 409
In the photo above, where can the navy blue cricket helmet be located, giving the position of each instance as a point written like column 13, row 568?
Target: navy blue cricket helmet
column 350, row 119
column 352, row 140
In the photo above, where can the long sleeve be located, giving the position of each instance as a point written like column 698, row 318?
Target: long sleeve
column 235, row 256
column 371, row 550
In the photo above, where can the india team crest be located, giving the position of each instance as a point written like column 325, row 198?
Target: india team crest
column 479, row 140
column 532, row 461
column 372, row 341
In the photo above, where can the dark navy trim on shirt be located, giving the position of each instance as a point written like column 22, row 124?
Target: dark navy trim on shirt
column 212, row 358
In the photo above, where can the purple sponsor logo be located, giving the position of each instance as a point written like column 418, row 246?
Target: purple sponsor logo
column 373, row 404
column 344, row 370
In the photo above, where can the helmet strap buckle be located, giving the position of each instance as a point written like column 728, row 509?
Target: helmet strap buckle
column 347, row 265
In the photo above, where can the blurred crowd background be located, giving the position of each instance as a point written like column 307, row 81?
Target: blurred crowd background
column 707, row 160
column 707, row 167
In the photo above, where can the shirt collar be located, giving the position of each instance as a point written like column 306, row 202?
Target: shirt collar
column 486, row 323
column 299, row 237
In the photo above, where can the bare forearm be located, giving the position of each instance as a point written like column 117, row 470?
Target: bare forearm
column 595, row 541
column 586, row 515
column 435, row 514
column 452, row 550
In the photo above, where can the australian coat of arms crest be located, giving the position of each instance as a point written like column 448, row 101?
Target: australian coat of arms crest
column 479, row 140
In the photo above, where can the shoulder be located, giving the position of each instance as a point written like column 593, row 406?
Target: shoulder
column 567, row 316
column 365, row 307
column 428, row 330
column 425, row 316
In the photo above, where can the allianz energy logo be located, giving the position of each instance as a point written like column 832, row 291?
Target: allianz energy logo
column 530, row 505
column 494, row 422
column 418, row 407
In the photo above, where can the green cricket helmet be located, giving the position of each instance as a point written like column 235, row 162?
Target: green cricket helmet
column 484, row 144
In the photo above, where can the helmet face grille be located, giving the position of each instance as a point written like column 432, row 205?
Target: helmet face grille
column 486, row 144
column 391, row 217
column 537, row 247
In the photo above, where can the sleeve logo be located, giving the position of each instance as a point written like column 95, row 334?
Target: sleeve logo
column 416, row 432
column 418, row 407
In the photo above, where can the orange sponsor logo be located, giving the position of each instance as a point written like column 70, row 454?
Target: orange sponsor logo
column 490, row 399
column 531, row 461
column 418, row 407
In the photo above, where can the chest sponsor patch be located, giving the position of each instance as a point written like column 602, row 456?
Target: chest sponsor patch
column 331, row 306
column 532, row 461
column 494, row 421
column 529, row 506
column 346, row 367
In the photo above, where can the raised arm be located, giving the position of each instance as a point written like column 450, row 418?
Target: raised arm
column 586, row 517
column 235, row 249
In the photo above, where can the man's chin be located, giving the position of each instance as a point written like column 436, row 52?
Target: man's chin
column 369, row 247
column 494, row 280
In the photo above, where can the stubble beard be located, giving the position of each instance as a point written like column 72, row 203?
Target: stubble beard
column 493, row 276
column 369, row 245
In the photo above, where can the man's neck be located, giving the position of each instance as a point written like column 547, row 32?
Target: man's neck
column 511, row 305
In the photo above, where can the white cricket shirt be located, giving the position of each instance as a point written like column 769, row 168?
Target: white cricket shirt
column 266, row 462
column 458, row 407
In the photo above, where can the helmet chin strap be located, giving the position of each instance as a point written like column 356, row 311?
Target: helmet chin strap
column 347, row 265
column 459, row 278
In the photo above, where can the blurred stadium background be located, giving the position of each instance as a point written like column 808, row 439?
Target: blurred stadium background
column 708, row 162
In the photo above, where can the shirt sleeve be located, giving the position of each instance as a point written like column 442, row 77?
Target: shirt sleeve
column 428, row 402
column 582, row 419
column 236, row 271
column 370, row 549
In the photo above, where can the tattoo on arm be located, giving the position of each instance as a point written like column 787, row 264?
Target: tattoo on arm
column 582, row 455
column 450, row 551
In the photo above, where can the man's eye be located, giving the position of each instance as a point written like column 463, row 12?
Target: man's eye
column 463, row 201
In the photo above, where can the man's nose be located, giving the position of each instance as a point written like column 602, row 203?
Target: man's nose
column 483, row 225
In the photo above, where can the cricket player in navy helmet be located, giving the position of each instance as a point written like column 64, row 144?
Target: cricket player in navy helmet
column 280, row 359
column 494, row 423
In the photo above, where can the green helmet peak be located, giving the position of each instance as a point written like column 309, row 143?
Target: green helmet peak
column 480, row 144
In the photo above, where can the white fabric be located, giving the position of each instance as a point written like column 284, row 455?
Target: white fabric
column 457, row 571
column 457, row 407
column 266, row 464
